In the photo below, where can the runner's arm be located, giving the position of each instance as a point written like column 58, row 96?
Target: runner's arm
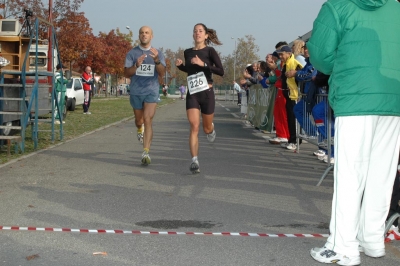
column 215, row 68
column 182, row 67
column 131, row 65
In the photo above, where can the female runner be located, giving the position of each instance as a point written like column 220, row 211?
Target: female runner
column 201, row 62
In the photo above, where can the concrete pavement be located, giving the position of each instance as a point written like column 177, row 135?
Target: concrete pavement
column 96, row 182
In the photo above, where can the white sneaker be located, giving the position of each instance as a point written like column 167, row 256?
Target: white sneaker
column 195, row 167
column 325, row 255
column 374, row 253
column 305, row 136
column 277, row 140
column 319, row 153
column 291, row 146
column 212, row 135
column 326, row 159
column 323, row 157
column 323, row 144
column 146, row 160
column 284, row 144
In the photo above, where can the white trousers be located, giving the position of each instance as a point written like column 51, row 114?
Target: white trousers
column 366, row 157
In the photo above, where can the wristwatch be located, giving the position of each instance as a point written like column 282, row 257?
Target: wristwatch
column 205, row 64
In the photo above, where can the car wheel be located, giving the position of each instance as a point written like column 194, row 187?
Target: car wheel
column 72, row 106
column 68, row 100
column 64, row 115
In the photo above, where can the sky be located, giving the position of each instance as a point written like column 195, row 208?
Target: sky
column 172, row 21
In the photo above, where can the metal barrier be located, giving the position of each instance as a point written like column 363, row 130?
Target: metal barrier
column 260, row 107
column 230, row 94
column 318, row 119
column 391, row 221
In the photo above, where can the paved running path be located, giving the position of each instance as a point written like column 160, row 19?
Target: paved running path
column 96, row 185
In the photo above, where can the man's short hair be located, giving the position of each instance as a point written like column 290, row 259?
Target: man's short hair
column 279, row 44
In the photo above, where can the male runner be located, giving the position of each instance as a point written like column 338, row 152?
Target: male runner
column 143, row 65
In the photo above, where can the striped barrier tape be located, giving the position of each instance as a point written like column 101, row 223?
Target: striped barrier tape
column 138, row 232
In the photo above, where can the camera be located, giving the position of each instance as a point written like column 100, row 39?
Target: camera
column 28, row 13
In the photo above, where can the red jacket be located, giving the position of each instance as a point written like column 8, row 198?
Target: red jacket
column 87, row 81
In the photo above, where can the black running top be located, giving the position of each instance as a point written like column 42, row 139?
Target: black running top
column 209, row 56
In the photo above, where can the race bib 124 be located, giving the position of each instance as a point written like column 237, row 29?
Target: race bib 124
column 145, row 70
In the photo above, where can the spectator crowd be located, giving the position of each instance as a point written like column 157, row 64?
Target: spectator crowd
column 301, row 109
column 301, row 95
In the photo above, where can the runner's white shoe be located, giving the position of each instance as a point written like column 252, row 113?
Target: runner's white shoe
column 212, row 135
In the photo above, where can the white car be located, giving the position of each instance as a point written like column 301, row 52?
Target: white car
column 74, row 95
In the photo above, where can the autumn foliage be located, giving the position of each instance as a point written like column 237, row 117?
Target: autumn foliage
column 78, row 46
column 106, row 52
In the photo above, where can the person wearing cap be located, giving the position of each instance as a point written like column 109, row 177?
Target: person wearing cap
column 280, row 117
column 355, row 42
column 290, row 92
column 60, row 86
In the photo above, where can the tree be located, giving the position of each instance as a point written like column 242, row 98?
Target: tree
column 74, row 36
column 15, row 8
column 169, row 66
column 246, row 53
column 61, row 9
column 116, row 46
column 228, row 62
column 174, row 72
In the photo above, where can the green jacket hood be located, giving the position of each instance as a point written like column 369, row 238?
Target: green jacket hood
column 370, row 4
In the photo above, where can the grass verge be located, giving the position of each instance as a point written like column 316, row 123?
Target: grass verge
column 104, row 111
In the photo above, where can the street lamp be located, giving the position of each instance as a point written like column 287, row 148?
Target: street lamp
column 234, row 69
column 234, row 61
column 129, row 29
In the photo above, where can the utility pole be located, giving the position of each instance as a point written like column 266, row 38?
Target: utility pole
column 50, row 50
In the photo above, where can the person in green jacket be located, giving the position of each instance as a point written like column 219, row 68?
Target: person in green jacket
column 61, row 88
column 357, row 43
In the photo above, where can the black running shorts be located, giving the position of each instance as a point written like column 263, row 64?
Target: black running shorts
column 203, row 100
